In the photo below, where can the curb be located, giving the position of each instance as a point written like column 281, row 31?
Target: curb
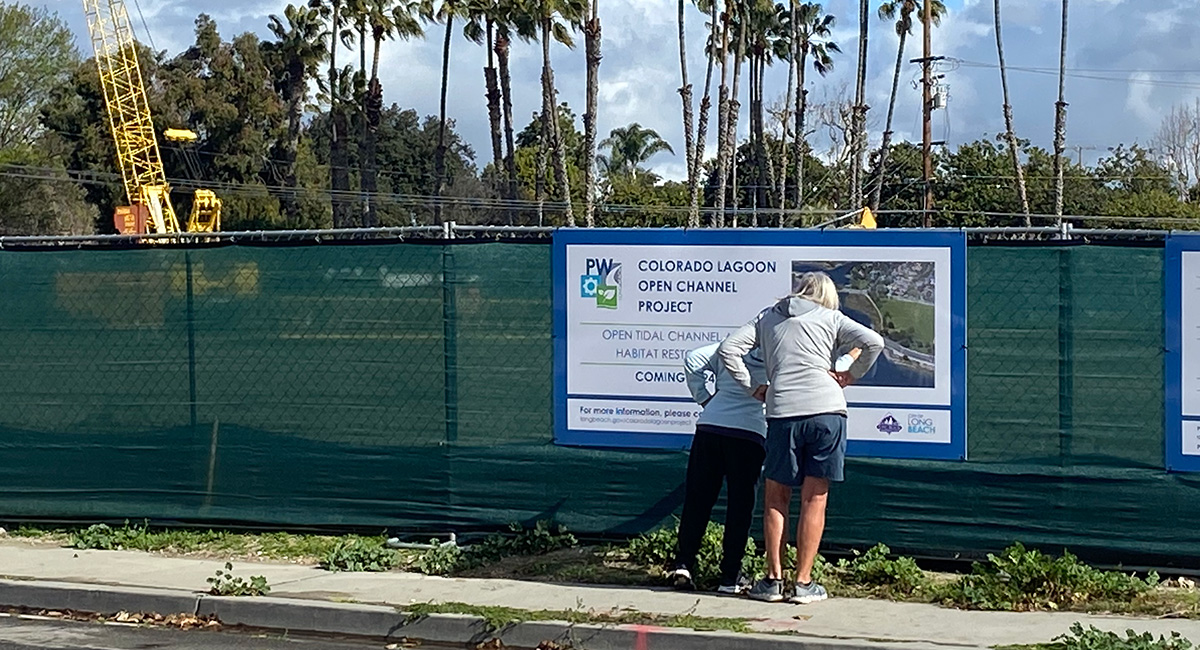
column 383, row 622
column 95, row 598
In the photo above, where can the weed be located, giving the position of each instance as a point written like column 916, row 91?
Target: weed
column 99, row 536
column 657, row 549
column 875, row 571
column 358, row 554
column 441, row 560
column 494, row 617
column 1023, row 579
column 545, row 537
column 498, row 618
column 224, row 583
column 1096, row 639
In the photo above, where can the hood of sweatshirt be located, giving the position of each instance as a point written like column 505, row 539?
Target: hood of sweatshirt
column 795, row 306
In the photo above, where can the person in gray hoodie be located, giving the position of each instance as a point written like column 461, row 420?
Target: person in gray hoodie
column 728, row 447
column 806, row 417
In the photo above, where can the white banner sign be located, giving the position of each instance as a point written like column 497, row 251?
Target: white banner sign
column 628, row 310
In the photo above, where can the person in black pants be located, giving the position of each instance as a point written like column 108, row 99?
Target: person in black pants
column 728, row 448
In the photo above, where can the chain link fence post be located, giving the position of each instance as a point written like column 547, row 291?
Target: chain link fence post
column 450, row 333
column 1066, row 355
column 191, row 336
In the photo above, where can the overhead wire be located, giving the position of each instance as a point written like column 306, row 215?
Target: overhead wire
column 137, row 5
column 103, row 178
column 1165, row 83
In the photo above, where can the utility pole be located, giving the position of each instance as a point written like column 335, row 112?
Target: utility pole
column 927, row 83
column 927, row 112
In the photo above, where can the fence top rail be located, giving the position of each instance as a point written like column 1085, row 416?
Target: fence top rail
column 451, row 230
column 228, row 236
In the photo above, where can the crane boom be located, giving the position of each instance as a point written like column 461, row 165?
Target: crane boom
column 132, row 128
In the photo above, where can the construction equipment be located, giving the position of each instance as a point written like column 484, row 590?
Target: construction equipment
column 150, row 209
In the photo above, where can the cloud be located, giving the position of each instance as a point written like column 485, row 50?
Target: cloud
column 1119, row 53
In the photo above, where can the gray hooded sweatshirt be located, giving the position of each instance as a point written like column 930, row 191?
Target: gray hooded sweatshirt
column 798, row 339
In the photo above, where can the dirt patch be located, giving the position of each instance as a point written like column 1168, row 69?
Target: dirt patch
column 586, row 565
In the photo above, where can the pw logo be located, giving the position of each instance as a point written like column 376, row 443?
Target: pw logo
column 601, row 280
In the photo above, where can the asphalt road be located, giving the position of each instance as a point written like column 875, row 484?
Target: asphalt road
column 23, row 633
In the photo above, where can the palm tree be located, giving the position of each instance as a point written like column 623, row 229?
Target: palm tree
column 814, row 30
column 788, row 22
column 710, row 7
column 341, row 92
column 629, row 147
column 339, row 163
column 695, row 136
column 689, row 118
column 779, row 47
column 733, row 112
column 355, row 13
column 481, row 29
column 721, row 24
column 555, row 19
column 1009, row 135
column 859, row 122
column 1060, row 119
column 591, row 40
column 387, row 19
column 445, row 13
column 766, row 43
column 900, row 11
column 300, row 45
column 507, row 16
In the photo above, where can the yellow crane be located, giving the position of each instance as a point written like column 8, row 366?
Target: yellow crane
column 149, row 209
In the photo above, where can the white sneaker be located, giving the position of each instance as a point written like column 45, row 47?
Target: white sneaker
column 681, row 580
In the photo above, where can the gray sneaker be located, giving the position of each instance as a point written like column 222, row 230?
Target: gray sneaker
column 767, row 590
column 805, row 594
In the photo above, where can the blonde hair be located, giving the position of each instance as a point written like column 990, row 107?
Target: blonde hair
column 817, row 287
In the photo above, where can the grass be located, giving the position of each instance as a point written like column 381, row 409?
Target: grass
column 1018, row 579
column 908, row 314
column 498, row 618
column 286, row 547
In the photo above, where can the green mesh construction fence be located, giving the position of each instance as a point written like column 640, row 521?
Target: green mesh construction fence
column 408, row 387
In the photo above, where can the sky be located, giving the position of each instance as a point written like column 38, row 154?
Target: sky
column 1129, row 62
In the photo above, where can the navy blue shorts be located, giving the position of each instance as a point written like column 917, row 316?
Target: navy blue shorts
column 811, row 445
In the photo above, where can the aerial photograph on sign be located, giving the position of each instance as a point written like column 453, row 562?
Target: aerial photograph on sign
column 895, row 299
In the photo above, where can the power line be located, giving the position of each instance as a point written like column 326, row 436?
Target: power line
column 150, row 37
column 1165, row 83
column 1174, row 71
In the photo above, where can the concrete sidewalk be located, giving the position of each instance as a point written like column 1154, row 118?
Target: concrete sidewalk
column 308, row 598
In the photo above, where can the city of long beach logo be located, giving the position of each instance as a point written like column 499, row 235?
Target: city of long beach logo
column 601, row 280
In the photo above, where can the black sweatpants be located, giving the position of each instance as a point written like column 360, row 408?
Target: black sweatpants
column 717, row 458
